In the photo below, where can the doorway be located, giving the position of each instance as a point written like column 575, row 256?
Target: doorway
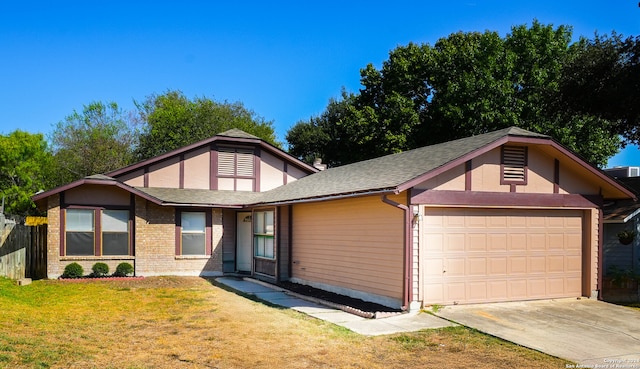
column 244, row 254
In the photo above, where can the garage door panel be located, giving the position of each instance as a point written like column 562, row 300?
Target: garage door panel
column 476, row 242
column 454, row 267
column 488, row 255
column 498, row 266
column 497, row 289
column 536, row 242
column 536, row 287
column 537, row 264
column 555, row 264
column 517, row 265
column 555, row 286
column 477, row 291
column 476, row 267
column 573, row 263
column 497, row 242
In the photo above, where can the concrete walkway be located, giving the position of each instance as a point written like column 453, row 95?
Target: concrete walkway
column 408, row 322
column 593, row 334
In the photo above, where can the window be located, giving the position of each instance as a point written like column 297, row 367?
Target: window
column 80, row 232
column 235, row 162
column 193, row 239
column 115, row 232
column 514, row 165
column 263, row 234
column 88, row 235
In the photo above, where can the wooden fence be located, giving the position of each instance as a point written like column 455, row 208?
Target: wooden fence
column 23, row 251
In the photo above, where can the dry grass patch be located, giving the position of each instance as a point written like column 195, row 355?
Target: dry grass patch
column 177, row 322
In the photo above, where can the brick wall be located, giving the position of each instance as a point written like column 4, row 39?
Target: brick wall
column 154, row 245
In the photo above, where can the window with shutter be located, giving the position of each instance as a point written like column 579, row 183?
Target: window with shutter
column 236, row 169
column 514, row 165
column 235, row 162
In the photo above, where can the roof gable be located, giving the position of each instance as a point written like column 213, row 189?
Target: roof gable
column 401, row 171
column 232, row 136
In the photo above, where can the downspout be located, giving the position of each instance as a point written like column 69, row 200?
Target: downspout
column 406, row 293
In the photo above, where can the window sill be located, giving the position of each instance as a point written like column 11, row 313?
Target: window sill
column 265, row 258
column 93, row 257
column 192, row 257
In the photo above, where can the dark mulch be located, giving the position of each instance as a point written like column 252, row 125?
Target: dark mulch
column 336, row 298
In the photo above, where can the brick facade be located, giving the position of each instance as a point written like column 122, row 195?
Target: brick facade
column 154, row 245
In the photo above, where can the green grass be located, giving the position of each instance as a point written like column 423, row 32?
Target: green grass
column 173, row 322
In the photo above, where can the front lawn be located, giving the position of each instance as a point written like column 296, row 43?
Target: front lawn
column 180, row 322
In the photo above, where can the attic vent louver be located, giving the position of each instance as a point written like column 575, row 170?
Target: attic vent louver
column 514, row 164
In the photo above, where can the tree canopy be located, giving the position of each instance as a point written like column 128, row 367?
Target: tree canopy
column 24, row 168
column 96, row 140
column 472, row 83
column 171, row 120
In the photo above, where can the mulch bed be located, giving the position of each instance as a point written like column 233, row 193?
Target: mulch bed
column 335, row 298
column 86, row 279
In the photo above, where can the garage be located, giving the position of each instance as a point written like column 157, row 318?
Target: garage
column 474, row 255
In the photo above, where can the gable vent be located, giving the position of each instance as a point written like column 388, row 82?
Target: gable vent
column 235, row 162
column 514, row 164
column 245, row 162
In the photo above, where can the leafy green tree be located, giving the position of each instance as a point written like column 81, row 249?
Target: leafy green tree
column 171, row 121
column 465, row 84
column 602, row 79
column 96, row 140
column 24, row 164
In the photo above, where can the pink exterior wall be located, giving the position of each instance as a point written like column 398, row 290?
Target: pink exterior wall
column 135, row 179
column 271, row 172
column 485, row 176
column 294, row 173
column 352, row 246
column 165, row 174
column 197, row 169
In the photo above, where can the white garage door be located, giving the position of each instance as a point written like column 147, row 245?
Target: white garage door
column 488, row 255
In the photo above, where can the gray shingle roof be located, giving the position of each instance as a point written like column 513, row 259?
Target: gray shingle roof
column 237, row 133
column 176, row 196
column 387, row 172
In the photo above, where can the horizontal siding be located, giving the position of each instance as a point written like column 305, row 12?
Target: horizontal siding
column 353, row 243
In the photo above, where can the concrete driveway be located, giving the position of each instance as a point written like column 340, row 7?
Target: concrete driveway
column 587, row 332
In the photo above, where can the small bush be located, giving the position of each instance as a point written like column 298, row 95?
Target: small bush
column 123, row 270
column 100, row 269
column 73, row 270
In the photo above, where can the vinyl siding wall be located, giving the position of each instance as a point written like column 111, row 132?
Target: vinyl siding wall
column 350, row 245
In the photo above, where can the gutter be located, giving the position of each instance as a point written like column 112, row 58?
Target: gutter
column 406, row 286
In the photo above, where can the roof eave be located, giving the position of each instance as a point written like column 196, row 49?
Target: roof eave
column 516, row 139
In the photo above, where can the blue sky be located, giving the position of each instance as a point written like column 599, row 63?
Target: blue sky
column 283, row 60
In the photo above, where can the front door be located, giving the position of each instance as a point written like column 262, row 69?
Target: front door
column 244, row 255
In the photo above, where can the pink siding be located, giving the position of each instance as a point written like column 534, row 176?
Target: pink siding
column 165, row 174
column 294, row 173
column 135, row 179
column 271, row 172
column 197, row 169
column 353, row 245
column 97, row 195
column 485, row 176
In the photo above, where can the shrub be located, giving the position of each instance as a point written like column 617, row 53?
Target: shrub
column 123, row 270
column 73, row 270
column 100, row 269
